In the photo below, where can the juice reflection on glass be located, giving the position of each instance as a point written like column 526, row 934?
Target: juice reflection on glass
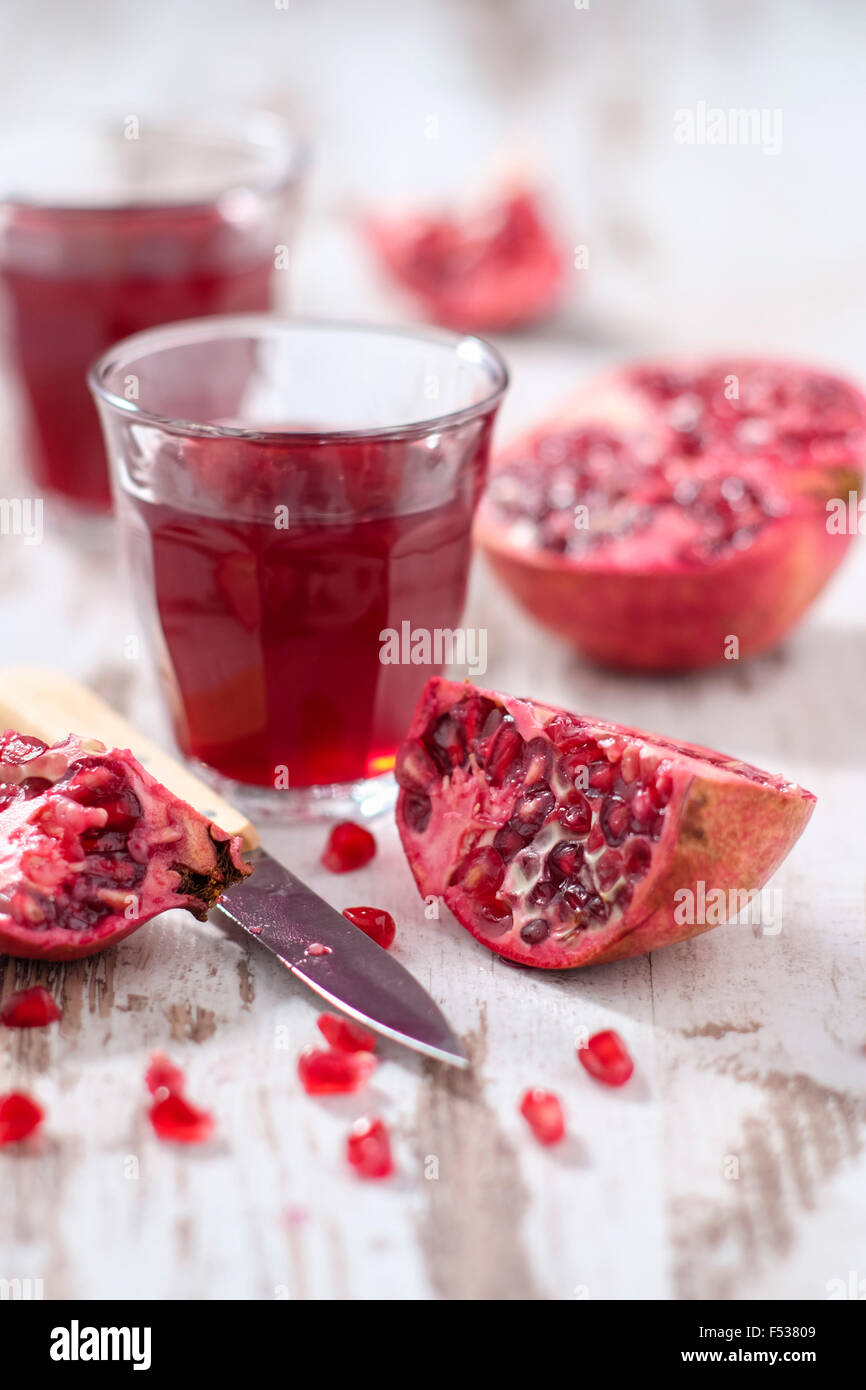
column 272, row 561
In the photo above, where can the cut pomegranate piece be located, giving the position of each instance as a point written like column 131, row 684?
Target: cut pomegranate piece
column 19, row 1117
column 163, row 1076
column 177, row 1121
column 349, row 847
column 344, row 1035
column 542, row 1111
column 606, row 1057
column 496, row 270
column 665, row 826
column 375, row 922
column 92, row 846
column 329, row 1072
column 30, row 1008
column 368, row 1149
column 670, row 508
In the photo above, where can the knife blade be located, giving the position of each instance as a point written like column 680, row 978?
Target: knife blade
column 336, row 959
column 351, row 972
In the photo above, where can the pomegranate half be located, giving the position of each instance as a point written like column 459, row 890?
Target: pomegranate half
column 560, row 840
column 672, row 507
column 92, row 846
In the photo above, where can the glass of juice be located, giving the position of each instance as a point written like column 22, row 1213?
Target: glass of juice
column 104, row 232
column 296, row 500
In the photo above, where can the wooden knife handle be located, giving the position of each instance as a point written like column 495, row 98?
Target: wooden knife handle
column 50, row 706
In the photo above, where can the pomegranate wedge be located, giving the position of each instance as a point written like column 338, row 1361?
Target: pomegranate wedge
column 676, row 515
column 560, row 840
column 92, row 846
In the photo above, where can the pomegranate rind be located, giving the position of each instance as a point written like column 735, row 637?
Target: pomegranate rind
column 634, row 604
column 175, row 857
column 725, row 825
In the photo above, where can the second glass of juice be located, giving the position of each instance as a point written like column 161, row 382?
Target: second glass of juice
column 104, row 232
column 296, row 499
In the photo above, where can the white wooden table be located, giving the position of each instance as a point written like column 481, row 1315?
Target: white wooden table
column 749, row 1051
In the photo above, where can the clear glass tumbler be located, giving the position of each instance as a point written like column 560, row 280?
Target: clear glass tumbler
column 106, row 232
column 295, row 497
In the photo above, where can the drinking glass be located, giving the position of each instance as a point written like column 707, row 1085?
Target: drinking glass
column 107, row 231
column 296, row 499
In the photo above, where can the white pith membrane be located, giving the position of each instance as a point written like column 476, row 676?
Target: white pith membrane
column 69, row 868
column 465, row 813
column 671, row 472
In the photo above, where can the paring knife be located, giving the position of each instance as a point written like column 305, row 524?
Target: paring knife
column 316, row 943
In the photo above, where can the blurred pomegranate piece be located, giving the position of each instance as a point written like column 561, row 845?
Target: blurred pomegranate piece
column 92, row 846
column 368, row 1149
column 542, row 1111
column 375, row 922
column 495, row 270
column 163, row 1075
column 332, row 1072
column 349, row 847
column 344, row 1035
column 606, row 1058
column 30, row 1008
column 177, row 1121
column 19, row 1117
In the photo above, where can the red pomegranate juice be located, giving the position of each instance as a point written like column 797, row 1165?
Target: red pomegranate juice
column 75, row 282
column 270, row 638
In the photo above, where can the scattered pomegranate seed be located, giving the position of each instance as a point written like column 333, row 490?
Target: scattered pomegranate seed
column 330, row 1072
column 30, row 1008
column 375, row 921
column 317, row 949
column 543, row 1113
column 19, row 1117
column 606, row 1058
column 349, row 847
column 368, row 1149
column 176, row 1120
column 345, row 1035
column 163, row 1075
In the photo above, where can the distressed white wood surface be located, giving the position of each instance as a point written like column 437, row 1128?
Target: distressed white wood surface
column 746, row 1048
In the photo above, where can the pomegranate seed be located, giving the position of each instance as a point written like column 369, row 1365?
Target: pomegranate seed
column 482, row 871
column 543, row 1113
column 177, row 1121
column 506, row 753
column 375, row 922
column 345, row 1035
column 535, row 931
column 368, row 1149
column 349, row 847
column 606, row 1058
column 163, row 1075
column 331, row 1073
column 414, row 769
column 30, row 1008
column 19, row 1117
